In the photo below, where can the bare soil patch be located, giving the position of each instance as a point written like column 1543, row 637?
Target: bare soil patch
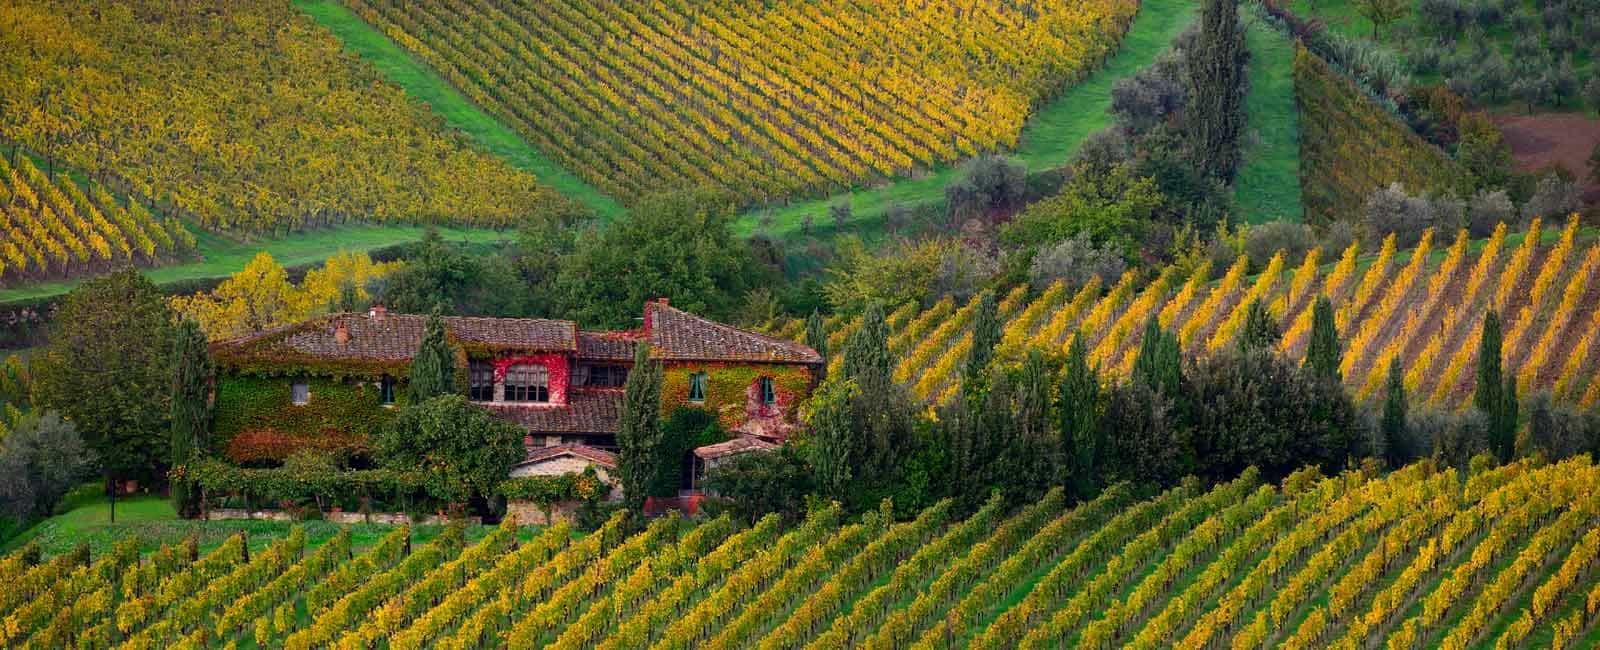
column 1566, row 139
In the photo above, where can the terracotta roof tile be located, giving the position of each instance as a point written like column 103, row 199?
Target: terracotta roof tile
column 677, row 335
column 737, row 445
column 541, row 454
column 397, row 336
column 586, row 411
column 606, row 346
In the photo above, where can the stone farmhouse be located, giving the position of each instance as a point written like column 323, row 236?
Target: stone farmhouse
column 327, row 383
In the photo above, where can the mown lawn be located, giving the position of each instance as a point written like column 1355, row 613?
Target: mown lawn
column 1268, row 186
column 87, row 520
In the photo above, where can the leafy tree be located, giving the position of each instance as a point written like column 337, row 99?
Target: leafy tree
column 1489, row 396
column 987, row 183
column 1259, row 410
column 833, row 443
column 986, row 333
column 260, row 295
column 905, row 271
column 1323, row 354
column 191, row 408
column 639, row 439
column 758, row 483
column 40, row 461
column 679, row 244
column 1078, row 413
column 435, row 274
column 1260, row 331
column 1215, row 114
column 464, row 450
column 1393, row 426
column 113, row 339
column 433, row 369
column 1482, row 149
column 1382, row 13
column 1108, row 209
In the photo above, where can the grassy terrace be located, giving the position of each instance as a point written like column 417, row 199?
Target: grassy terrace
column 86, row 519
column 1268, row 186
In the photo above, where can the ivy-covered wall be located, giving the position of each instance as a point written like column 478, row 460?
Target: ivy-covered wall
column 732, row 393
column 257, row 420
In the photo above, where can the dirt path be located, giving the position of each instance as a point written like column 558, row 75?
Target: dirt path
column 1566, row 139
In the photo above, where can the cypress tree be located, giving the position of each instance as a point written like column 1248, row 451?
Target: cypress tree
column 866, row 353
column 639, row 437
column 833, row 444
column 1505, row 421
column 1393, row 425
column 1036, row 452
column 879, row 410
column 1215, row 115
column 817, row 335
column 1487, row 395
column 985, row 336
column 1323, row 355
column 1159, row 362
column 1078, row 416
column 433, row 370
column 191, row 410
column 1260, row 330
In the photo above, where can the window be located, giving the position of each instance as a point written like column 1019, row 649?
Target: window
column 601, row 376
column 768, row 395
column 386, row 391
column 300, row 393
column 481, row 387
column 527, row 383
column 697, row 387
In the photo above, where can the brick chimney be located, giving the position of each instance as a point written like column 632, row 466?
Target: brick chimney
column 376, row 313
column 341, row 334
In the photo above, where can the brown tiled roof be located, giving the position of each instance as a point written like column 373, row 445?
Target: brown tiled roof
column 598, row 456
column 586, row 411
column 606, row 346
column 737, row 445
column 397, row 336
column 677, row 335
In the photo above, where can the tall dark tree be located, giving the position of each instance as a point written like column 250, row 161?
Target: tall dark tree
column 1503, row 426
column 639, row 439
column 1159, row 364
column 1489, row 395
column 1079, row 407
column 1215, row 115
column 833, row 445
column 1034, row 460
column 113, row 339
column 1323, row 354
column 986, row 331
column 433, row 369
column 880, row 409
column 1393, row 425
column 191, row 408
column 817, row 335
column 1260, row 331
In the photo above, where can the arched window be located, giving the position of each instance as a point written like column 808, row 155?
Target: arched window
column 527, row 383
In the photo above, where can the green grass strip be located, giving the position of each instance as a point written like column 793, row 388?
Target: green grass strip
column 422, row 83
column 1268, row 186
